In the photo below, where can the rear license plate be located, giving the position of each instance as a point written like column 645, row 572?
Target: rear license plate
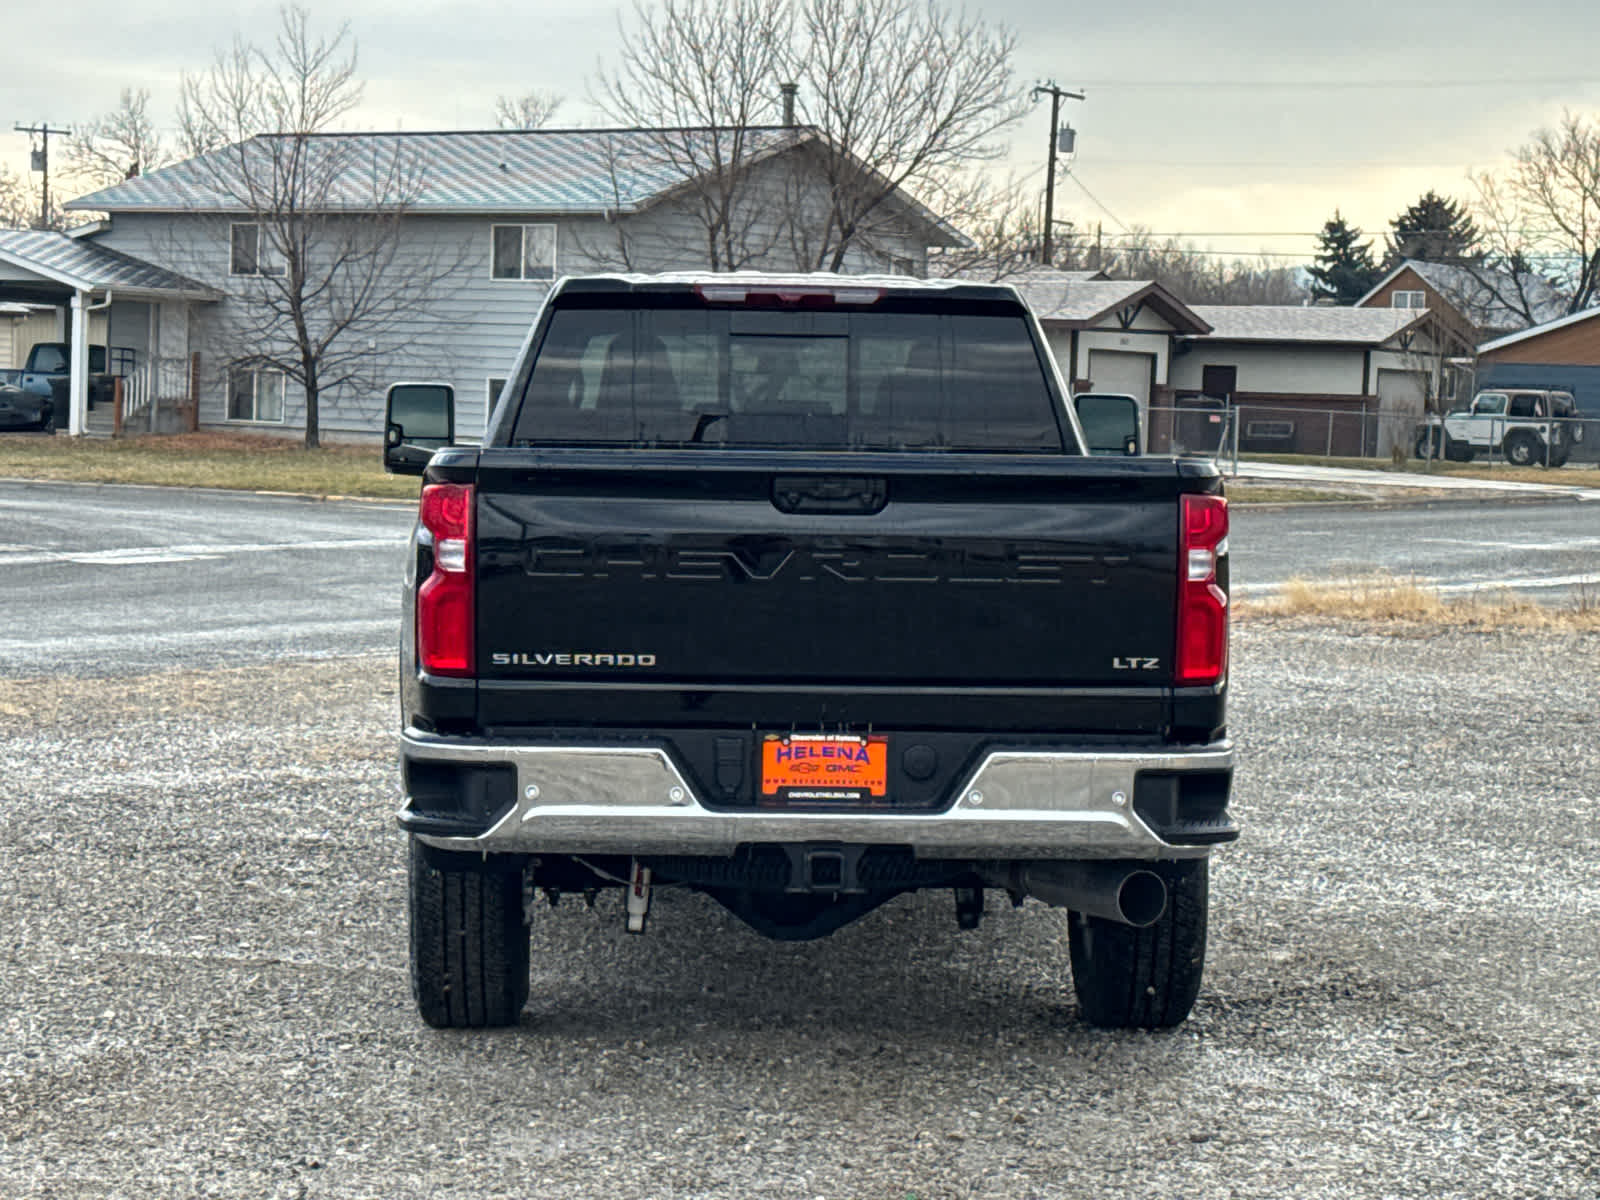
column 824, row 769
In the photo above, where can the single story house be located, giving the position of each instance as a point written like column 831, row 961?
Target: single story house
column 1303, row 379
column 488, row 221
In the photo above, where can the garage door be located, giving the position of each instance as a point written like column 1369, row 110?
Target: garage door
column 1399, row 407
column 1120, row 371
column 1127, row 373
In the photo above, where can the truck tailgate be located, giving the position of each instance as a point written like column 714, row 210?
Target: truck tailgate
column 903, row 571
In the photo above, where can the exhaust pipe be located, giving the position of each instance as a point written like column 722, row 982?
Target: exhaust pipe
column 1115, row 891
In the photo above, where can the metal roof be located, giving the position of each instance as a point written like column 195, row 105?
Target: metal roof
column 1298, row 323
column 86, row 266
column 528, row 171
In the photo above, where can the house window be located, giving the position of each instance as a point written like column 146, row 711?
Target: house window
column 523, row 252
column 255, row 396
column 251, row 252
column 1408, row 300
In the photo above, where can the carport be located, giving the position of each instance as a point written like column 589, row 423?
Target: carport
column 79, row 277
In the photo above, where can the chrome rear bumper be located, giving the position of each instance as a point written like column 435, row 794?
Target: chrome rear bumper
column 633, row 800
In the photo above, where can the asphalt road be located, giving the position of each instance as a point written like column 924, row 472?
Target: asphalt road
column 1549, row 551
column 98, row 580
column 109, row 579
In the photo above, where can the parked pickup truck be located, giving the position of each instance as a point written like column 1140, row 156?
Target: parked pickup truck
column 47, row 375
column 805, row 593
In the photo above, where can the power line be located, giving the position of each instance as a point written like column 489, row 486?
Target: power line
column 1337, row 84
column 1115, row 220
column 1278, row 164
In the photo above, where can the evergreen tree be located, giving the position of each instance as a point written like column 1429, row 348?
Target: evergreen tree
column 1434, row 229
column 1344, row 270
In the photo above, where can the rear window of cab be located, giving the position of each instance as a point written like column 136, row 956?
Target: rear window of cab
column 672, row 369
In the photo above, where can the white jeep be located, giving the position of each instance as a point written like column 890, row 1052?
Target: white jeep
column 1530, row 427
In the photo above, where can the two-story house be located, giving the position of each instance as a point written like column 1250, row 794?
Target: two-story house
column 480, row 225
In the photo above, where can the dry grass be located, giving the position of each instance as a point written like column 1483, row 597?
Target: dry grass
column 1385, row 598
column 220, row 460
column 1244, row 492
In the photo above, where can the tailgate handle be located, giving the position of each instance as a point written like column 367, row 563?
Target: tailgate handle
column 829, row 494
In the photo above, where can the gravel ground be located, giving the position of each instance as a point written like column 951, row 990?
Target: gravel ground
column 205, row 993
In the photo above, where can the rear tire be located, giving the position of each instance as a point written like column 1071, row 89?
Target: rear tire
column 469, row 946
column 1524, row 450
column 1428, row 445
column 1148, row 978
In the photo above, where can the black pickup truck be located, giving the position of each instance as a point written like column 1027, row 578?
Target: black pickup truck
column 806, row 592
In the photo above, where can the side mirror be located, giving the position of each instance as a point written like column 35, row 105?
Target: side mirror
column 1110, row 422
column 418, row 418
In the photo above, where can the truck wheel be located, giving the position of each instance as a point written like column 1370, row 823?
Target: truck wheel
column 1458, row 451
column 1523, row 450
column 1427, row 445
column 469, row 947
column 1129, row 978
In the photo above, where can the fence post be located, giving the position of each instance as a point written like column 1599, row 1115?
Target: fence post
column 1329, row 452
column 194, row 392
column 116, row 406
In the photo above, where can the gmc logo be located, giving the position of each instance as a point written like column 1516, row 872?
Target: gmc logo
column 948, row 564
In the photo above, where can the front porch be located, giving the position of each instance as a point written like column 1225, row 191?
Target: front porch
column 148, row 313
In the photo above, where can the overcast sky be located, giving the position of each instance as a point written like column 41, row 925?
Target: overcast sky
column 1249, row 118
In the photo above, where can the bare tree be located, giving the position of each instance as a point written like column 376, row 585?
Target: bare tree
column 21, row 202
column 894, row 96
column 1000, row 220
column 118, row 145
column 1541, row 223
column 532, row 110
column 904, row 91
column 19, row 208
column 1199, row 276
column 702, row 73
column 322, row 286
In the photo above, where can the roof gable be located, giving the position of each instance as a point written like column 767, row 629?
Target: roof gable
column 1478, row 293
column 1065, row 298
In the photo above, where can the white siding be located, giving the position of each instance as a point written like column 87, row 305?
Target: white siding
column 1283, row 370
column 469, row 326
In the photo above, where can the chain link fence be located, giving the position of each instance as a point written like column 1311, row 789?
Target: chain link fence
column 1224, row 431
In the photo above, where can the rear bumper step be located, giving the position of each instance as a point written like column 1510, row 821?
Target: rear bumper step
column 576, row 799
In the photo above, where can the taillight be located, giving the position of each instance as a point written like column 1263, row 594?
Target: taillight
column 444, row 602
column 1202, row 604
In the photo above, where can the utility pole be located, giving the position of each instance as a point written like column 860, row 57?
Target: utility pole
column 1056, row 95
column 41, row 163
